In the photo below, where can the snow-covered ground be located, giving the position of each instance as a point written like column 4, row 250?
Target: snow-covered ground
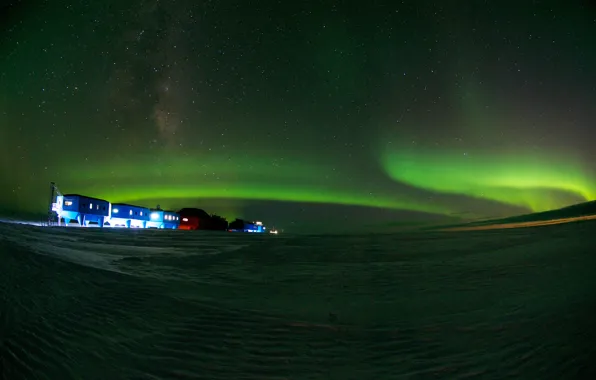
column 149, row 304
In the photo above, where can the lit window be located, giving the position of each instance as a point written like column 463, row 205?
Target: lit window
column 130, row 212
column 90, row 206
column 141, row 213
column 185, row 219
column 67, row 203
column 155, row 215
column 115, row 211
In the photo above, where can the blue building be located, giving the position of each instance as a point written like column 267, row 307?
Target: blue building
column 129, row 216
column 84, row 210
column 240, row 225
column 159, row 218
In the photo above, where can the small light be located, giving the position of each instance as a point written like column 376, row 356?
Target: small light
column 130, row 212
column 154, row 215
column 67, row 203
column 141, row 213
column 90, row 206
column 115, row 211
column 185, row 219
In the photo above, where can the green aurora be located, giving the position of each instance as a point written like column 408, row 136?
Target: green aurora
column 227, row 106
column 201, row 177
column 532, row 181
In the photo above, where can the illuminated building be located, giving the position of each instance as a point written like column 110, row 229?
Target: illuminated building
column 240, row 225
column 159, row 218
column 129, row 216
column 84, row 210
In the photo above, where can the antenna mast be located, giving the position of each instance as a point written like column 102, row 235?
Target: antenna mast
column 54, row 192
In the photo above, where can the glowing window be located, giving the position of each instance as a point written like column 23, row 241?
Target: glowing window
column 185, row 219
column 141, row 213
column 90, row 206
column 67, row 203
column 115, row 211
column 130, row 212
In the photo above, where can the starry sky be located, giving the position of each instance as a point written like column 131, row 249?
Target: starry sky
column 300, row 112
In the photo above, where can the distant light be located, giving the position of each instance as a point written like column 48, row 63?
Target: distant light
column 67, row 203
column 141, row 213
column 90, row 206
column 115, row 211
column 185, row 219
column 154, row 215
column 259, row 223
column 130, row 212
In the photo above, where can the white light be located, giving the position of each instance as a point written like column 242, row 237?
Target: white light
column 115, row 211
column 130, row 212
column 141, row 213
column 185, row 219
column 67, row 203
column 259, row 223
column 90, row 206
column 154, row 215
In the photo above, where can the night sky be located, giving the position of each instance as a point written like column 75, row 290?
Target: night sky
column 300, row 111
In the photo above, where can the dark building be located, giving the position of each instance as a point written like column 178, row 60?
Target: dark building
column 192, row 218
column 197, row 219
column 240, row 225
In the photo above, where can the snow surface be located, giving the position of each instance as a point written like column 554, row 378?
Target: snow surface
column 81, row 303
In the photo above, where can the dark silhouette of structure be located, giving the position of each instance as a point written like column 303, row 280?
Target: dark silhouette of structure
column 198, row 219
column 240, row 225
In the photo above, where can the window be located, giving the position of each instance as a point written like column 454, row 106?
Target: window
column 90, row 206
column 141, row 213
column 130, row 212
column 67, row 203
column 136, row 213
column 115, row 211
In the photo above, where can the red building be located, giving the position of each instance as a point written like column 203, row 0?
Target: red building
column 193, row 219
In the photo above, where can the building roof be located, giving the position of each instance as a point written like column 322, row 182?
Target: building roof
column 159, row 209
column 127, row 205
column 84, row 196
column 194, row 212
